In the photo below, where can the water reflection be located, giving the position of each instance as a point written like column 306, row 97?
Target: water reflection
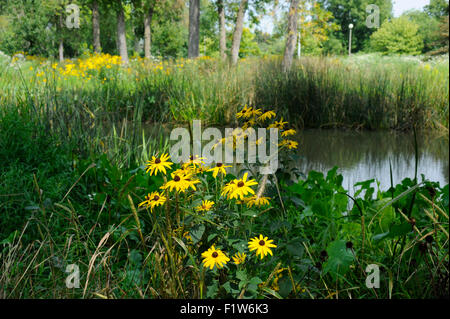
column 365, row 155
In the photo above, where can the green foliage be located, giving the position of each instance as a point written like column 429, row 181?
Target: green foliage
column 354, row 11
column 428, row 28
column 398, row 36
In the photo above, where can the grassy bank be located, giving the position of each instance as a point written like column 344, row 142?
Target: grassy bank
column 74, row 188
column 360, row 92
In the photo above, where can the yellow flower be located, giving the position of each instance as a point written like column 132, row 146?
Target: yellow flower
column 156, row 165
column 289, row 144
column 228, row 188
column 201, row 169
column 267, row 115
column 180, row 182
column 257, row 201
column 278, row 124
column 242, row 187
column 262, row 246
column 219, row 168
column 239, row 258
column 205, row 206
column 288, row 132
column 214, row 257
column 194, row 161
column 248, row 124
column 152, row 200
column 245, row 113
column 255, row 112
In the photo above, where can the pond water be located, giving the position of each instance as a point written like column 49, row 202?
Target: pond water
column 365, row 155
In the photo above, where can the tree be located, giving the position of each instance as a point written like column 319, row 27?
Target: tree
column 96, row 27
column 222, row 31
column 398, row 36
column 149, row 9
column 442, row 43
column 121, row 33
column 354, row 11
column 237, row 34
column 437, row 8
column 428, row 28
column 194, row 28
column 291, row 39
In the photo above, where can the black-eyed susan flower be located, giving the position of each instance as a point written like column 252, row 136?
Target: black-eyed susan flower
column 214, row 257
column 158, row 164
column 180, row 182
column 267, row 115
column 228, row 188
column 152, row 200
column 278, row 124
column 194, row 162
column 239, row 258
column 219, row 168
column 255, row 112
column 245, row 113
column 289, row 144
column 262, row 246
column 202, row 169
column 288, row 132
column 248, row 124
column 257, row 201
column 242, row 187
column 205, row 206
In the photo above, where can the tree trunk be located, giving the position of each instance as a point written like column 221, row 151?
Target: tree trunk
column 61, row 50
column 222, row 31
column 61, row 40
column 291, row 35
column 194, row 28
column 237, row 34
column 148, row 32
column 121, row 35
column 96, row 26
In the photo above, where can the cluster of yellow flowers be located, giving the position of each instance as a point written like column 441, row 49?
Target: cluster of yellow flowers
column 81, row 67
column 184, row 178
column 240, row 189
column 216, row 257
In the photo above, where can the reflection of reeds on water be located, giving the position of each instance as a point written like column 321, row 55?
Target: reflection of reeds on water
column 367, row 154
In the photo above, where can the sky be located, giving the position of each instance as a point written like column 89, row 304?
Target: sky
column 399, row 6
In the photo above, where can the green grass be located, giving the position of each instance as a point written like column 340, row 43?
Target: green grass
column 71, row 178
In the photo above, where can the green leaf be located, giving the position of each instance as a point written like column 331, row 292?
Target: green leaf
column 285, row 286
column 339, row 258
column 212, row 290
column 197, row 232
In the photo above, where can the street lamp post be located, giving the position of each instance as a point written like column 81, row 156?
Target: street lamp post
column 350, row 27
column 299, row 44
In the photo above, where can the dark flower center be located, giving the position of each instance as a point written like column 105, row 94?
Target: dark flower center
column 215, row 254
column 157, row 161
column 177, row 178
column 240, row 184
column 191, row 158
column 262, row 242
column 219, row 164
column 156, row 198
